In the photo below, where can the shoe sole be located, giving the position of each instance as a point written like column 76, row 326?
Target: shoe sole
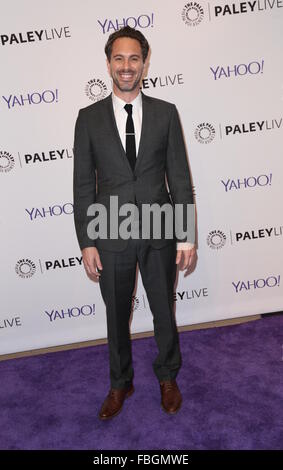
column 128, row 394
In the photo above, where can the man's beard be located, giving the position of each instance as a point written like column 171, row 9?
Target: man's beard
column 126, row 86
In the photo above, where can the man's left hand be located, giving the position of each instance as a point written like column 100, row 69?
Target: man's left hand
column 186, row 258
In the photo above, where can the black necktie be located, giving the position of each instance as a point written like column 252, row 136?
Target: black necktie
column 130, row 137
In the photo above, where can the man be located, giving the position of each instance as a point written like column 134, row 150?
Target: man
column 127, row 144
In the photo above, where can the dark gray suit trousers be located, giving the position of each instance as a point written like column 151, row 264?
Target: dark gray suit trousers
column 117, row 282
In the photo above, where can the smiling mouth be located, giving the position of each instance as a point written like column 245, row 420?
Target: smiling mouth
column 126, row 76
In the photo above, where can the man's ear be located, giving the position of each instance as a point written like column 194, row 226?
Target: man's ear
column 108, row 65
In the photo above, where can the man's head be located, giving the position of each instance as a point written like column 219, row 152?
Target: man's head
column 126, row 52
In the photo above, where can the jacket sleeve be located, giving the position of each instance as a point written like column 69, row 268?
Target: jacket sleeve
column 84, row 181
column 179, row 181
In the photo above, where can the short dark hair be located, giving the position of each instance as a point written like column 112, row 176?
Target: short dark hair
column 127, row 32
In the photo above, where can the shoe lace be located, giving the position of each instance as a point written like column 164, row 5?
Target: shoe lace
column 168, row 385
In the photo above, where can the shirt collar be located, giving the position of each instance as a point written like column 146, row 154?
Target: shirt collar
column 119, row 104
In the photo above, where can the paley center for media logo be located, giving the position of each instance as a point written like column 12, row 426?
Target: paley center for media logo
column 139, row 302
column 217, row 239
column 193, row 13
column 96, row 89
column 28, row 37
column 10, row 323
column 168, row 80
column 205, row 132
column 8, row 160
column 27, row 268
column 135, row 302
column 192, row 294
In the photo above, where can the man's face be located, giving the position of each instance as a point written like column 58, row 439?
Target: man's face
column 126, row 64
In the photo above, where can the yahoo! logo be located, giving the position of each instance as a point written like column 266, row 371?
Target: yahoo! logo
column 141, row 21
column 43, row 212
column 46, row 96
column 247, row 182
column 71, row 312
column 270, row 281
column 252, row 68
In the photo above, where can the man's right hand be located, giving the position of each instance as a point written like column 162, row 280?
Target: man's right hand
column 91, row 260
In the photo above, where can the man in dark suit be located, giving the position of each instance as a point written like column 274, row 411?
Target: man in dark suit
column 127, row 145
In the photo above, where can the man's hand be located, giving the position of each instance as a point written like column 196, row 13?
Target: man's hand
column 186, row 258
column 91, row 260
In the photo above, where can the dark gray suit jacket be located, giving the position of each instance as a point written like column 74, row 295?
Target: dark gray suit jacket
column 101, row 167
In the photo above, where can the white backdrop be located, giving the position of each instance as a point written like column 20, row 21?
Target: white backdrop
column 221, row 64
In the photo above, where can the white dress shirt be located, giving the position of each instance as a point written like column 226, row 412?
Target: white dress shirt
column 121, row 119
column 121, row 116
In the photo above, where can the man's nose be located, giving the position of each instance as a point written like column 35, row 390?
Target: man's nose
column 126, row 63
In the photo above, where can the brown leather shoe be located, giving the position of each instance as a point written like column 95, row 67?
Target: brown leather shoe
column 171, row 398
column 113, row 403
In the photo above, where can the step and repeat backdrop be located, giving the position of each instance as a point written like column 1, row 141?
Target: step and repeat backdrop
column 221, row 64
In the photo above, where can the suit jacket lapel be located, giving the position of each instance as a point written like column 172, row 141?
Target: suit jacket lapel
column 144, row 129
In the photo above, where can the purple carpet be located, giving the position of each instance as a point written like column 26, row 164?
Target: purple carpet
column 231, row 381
